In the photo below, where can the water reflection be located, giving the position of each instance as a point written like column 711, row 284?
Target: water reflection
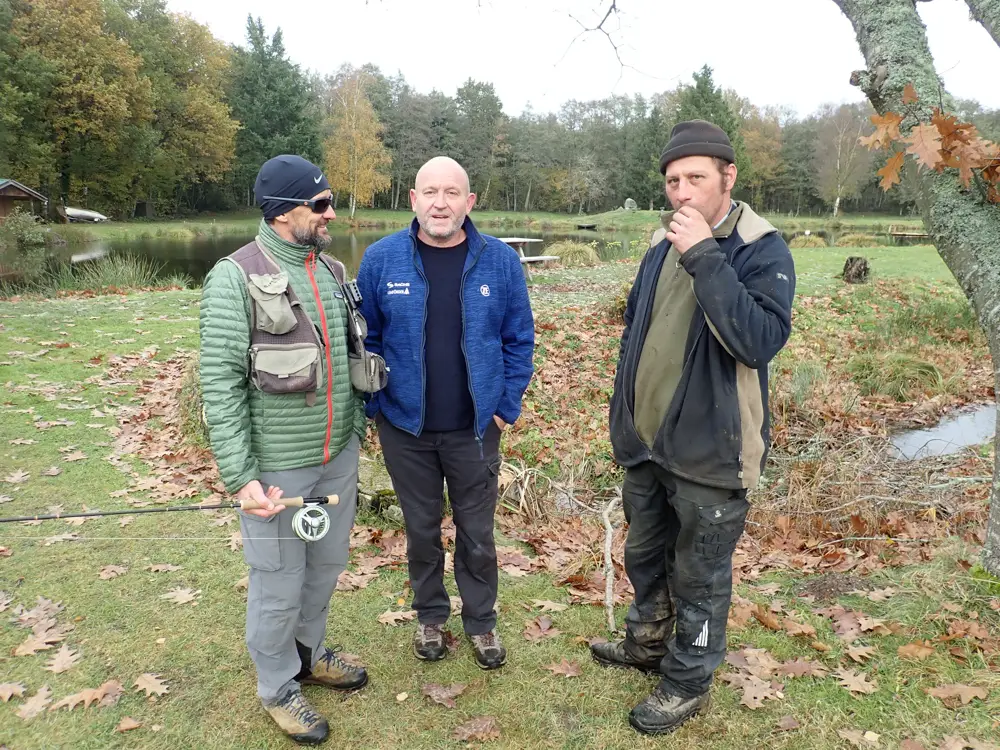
column 195, row 257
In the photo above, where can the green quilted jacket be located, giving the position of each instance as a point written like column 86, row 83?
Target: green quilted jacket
column 251, row 431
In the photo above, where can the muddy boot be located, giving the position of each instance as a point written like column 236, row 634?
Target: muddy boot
column 298, row 719
column 490, row 653
column 333, row 672
column 428, row 643
column 663, row 711
column 615, row 655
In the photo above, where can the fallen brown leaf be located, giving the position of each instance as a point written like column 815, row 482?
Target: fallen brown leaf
column 151, row 684
column 74, row 456
column 443, row 695
column 68, row 537
column 127, row 724
column 787, row 724
column 236, row 541
column 911, row 745
column 181, row 595
column 965, row 693
column 112, row 571
column 105, row 695
column 396, row 618
column 17, row 477
column 854, row 682
column 125, row 521
column 539, row 628
column 860, row 653
column 794, row 628
column 917, row 650
column 858, row 738
column 820, row 646
column 766, row 618
column 163, row 568
column 565, row 668
column 64, row 660
column 10, row 690
column 802, row 668
column 545, row 605
column 482, row 728
column 349, row 581
column 52, row 471
column 243, row 584
column 35, row 704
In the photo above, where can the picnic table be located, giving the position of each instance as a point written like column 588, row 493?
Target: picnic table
column 518, row 244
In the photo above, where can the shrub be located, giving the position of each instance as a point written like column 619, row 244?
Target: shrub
column 807, row 240
column 572, row 254
column 897, row 375
column 858, row 240
column 614, row 306
column 23, row 228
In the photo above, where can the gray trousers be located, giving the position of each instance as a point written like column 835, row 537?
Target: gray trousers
column 292, row 581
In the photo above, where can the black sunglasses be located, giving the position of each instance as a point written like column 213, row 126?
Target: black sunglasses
column 318, row 205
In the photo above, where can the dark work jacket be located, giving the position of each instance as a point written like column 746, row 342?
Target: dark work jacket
column 716, row 430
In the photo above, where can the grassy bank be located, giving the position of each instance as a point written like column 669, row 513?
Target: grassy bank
column 88, row 419
column 246, row 223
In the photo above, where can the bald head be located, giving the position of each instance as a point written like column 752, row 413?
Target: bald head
column 443, row 169
column 441, row 199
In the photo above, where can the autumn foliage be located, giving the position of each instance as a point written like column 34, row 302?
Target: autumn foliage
column 941, row 143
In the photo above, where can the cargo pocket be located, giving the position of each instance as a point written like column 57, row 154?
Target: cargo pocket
column 272, row 307
column 261, row 545
column 286, row 368
column 720, row 527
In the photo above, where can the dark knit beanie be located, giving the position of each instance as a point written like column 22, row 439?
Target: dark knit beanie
column 287, row 176
column 697, row 138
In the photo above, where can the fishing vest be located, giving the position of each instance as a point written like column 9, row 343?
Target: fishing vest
column 286, row 349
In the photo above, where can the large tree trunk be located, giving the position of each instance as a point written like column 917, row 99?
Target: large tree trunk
column 965, row 229
column 987, row 12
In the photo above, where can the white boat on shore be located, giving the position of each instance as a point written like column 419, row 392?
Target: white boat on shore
column 82, row 214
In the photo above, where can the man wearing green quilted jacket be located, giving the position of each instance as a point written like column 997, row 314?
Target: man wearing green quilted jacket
column 284, row 420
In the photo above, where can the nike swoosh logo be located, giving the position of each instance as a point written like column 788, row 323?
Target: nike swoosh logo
column 317, row 179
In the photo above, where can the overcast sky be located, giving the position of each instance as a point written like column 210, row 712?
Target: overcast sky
column 798, row 53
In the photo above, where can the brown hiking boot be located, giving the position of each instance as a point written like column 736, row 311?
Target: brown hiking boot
column 333, row 672
column 614, row 655
column 490, row 653
column 428, row 643
column 298, row 719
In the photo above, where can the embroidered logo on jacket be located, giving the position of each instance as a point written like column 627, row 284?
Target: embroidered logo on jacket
column 484, row 290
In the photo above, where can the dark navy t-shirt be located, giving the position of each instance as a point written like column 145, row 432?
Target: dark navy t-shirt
column 447, row 397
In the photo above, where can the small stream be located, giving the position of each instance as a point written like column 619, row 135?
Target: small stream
column 963, row 429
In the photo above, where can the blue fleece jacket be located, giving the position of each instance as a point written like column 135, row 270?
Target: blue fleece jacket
column 498, row 330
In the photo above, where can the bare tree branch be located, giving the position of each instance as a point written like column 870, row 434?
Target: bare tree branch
column 987, row 12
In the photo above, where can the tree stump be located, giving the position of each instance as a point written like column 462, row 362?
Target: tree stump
column 856, row 270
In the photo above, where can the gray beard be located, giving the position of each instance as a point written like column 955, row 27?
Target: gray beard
column 311, row 239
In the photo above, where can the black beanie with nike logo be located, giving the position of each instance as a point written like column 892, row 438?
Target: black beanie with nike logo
column 287, row 177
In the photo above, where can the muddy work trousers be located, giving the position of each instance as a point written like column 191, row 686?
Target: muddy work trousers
column 678, row 556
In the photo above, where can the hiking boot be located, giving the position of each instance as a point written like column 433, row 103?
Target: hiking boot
column 490, row 653
column 615, row 655
column 298, row 719
column 333, row 672
column 428, row 643
column 663, row 711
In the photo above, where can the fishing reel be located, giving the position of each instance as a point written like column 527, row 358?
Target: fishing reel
column 311, row 523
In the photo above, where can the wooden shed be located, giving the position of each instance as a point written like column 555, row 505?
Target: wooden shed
column 12, row 193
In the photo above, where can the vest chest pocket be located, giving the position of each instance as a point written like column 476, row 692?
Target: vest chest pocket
column 286, row 368
column 272, row 306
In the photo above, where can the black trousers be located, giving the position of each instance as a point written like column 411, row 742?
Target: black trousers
column 679, row 557
column 419, row 468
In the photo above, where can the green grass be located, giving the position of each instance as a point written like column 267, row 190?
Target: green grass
column 212, row 702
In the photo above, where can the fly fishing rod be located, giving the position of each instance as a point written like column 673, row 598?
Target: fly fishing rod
column 248, row 504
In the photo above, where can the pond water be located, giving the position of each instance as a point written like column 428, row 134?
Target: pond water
column 952, row 434
column 196, row 257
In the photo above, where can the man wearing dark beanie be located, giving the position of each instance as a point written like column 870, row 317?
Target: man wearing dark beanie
column 709, row 309
column 284, row 420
